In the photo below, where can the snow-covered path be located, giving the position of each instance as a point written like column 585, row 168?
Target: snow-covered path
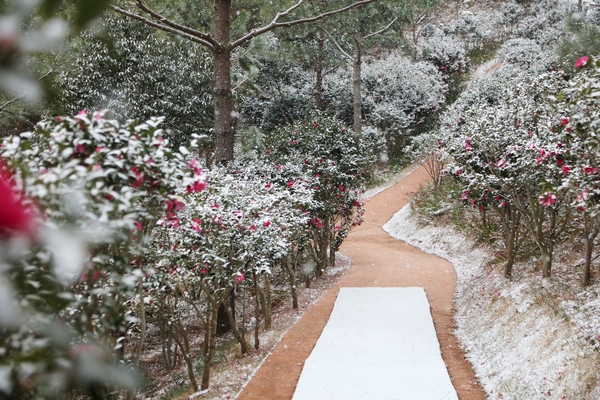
column 378, row 260
column 379, row 343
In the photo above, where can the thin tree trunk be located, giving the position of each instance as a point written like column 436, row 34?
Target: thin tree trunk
column 140, row 346
column 292, row 276
column 513, row 228
column 256, row 312
column 224, row 136
column 591, row 230
column 212, row 341
column 319, row 70
column 234, row 329
column 356, row 83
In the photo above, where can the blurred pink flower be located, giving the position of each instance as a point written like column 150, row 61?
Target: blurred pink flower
column 582, row 62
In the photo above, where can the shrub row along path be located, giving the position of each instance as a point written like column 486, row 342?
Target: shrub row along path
column 378, row 260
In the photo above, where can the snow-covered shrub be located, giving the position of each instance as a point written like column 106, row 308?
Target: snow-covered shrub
column 337, row 159
column 521, row 53
column 445, row 52
column 96, row 187
column 507, row 155
column 406, row 96
column 137, row 74
column 476, row 31
column 579, row 106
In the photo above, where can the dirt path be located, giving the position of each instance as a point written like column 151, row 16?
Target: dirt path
column 381, row 261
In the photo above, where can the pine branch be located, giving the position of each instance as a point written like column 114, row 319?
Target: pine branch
column 275, row 24
column 164, row 28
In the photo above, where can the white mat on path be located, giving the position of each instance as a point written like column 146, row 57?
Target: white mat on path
column 379, row 344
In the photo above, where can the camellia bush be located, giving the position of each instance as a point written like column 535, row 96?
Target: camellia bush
column 336, row 160
column 579, row 104
column 508, row 153
column 95, row 188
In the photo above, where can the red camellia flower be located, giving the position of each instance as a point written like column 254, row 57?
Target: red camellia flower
column 582, row 62
column 566, row 169
column 564, row 121
column 290, row 183
column 198, row 186
column 266, row 223
column 15, row 218
column 590, row 170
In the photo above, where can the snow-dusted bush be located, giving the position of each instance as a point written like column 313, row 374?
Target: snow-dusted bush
column 96, row 187
column 337, row 159
column 445, row 52
column 521, row 53
column 137, row 74
column 507, row 155
column 477, row 31
column 406, row 96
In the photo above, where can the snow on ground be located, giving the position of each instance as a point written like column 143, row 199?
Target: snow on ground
column 529, row 338
column 379, row 343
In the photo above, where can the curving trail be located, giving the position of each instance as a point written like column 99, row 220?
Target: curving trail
column 378, row 260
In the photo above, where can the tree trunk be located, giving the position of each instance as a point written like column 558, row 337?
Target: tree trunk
column 212, row 342
column 256, row 312
column 319, row 71
column 590, row 231
column 547, row 261
column 224, row 136
column 234, row 329
column 292, row 276
column 356, row 83
column 511, row 238
column 138, row 353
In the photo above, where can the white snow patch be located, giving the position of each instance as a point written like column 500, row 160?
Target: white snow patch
column 523, row 339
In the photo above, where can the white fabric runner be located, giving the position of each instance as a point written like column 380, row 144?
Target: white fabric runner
column 379, row 344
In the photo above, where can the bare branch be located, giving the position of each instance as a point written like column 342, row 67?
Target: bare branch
column 348, row 56
column 177, row 26
column 274, row 24
column 379, row 32
column 165, row 28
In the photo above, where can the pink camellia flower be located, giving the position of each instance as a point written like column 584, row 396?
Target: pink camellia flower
column 15, row 218
column 175, row 204
column 294, row 142
column 564, row 121
column 547, row 199
column 582, row 62
column 79, row 148
column 138, row 226
column 138, row 177
column 239, row 277
column 253, row 228
column 465, row 195
column 566, row 169
column 195, row 166
column 468, row 145
column 590, row 170
column 268, row 185
column 197, row 225
column 267, row 223
column 291, row 183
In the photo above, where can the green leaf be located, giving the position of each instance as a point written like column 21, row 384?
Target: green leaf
column 87, row 10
